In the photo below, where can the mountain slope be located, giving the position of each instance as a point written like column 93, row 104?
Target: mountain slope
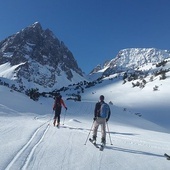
column 143, row 91
column 137, row 143
column 44, row 59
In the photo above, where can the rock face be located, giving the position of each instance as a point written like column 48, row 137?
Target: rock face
column 40, row 59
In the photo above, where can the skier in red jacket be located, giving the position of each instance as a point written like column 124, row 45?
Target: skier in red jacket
column 57, row 108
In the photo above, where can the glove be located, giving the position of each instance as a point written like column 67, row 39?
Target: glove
column 66, row 108
column 94, row 118
column 107, row 120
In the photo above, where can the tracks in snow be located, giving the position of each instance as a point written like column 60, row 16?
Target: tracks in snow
column 24, row 156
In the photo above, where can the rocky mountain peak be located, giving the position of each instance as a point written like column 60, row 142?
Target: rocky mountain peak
column 129, row 60
column 44, row 57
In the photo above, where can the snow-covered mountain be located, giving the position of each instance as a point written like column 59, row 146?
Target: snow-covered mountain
column 137, row 91
column 129, row 60
column 135, row 84
column 136, row 79
column 35, row 58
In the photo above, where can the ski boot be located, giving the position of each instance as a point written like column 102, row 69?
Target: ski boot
column 94, row 140
column 58, row 125
column 54, row 122
column 103, row 141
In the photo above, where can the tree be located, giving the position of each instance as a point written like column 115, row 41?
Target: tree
column 33, row 94
column 163, row 76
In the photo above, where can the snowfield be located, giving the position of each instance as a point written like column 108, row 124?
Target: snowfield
column 29, row 141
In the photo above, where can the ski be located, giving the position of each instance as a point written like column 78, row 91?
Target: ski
column 167, row 156
column 96, row 145
column 57, row 126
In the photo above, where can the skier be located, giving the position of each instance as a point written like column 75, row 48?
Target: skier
column 57, row 108
column 101, row 116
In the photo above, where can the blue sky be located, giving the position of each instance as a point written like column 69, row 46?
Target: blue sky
column 93, row 30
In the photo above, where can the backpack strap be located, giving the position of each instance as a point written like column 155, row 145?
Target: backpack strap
column 97, row 109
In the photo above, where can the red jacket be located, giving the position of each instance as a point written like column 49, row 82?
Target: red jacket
column 61, row 103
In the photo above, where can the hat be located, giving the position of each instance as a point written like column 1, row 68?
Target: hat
column 102, row 97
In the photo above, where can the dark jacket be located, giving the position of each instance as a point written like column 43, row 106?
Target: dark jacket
column 97, row 110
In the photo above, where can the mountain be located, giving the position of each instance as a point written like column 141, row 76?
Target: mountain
column 135, row 84
column 35, row 58
column 137, row 91
column 137, row 79
column 130, row 60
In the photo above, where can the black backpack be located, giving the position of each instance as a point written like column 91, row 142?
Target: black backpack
column 57, row 101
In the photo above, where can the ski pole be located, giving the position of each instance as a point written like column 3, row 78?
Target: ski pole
column 89, row 133
column 64, row 117
column 109, row 133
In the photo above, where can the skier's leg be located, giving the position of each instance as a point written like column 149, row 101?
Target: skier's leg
column 58, row 121
column 54, row 122
column 96, row 125
column 55, row 117
column 103, row 130
column 58, row 116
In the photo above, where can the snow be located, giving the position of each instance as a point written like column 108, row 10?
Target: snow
column 131, row 58
column 29, row 141
column 7, row 71
column 39, row 74
column 139, row 125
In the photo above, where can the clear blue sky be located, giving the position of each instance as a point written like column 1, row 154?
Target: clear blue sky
column 93, row 30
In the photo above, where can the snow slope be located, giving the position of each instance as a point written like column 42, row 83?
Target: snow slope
column 152, row 105
column 30, row 142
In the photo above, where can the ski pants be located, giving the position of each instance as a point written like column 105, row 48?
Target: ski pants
column 57, row 114
column 102, row 122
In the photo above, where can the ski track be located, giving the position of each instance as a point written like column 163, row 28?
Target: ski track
column 138, row 141
column 23, row 157
column 26, row 154
column 68, row 152
column 118, row 142
column 161, row 145
column 100, row 161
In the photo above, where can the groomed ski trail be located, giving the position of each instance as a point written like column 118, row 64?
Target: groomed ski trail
column 24, row 155
column 64, row 148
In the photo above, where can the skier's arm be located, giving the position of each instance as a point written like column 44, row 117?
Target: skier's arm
column 62, row 102
column 108, row 115
column 97, row 110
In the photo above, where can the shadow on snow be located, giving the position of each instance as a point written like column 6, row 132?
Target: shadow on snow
column 133, row 151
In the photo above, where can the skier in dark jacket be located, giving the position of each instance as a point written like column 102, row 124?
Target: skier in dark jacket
column 101, row 116
column 57, row 108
